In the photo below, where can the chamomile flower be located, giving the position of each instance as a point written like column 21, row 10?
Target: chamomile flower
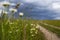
column 36, row 32
column 10, row 31
column 13, row 10
column 32, row 35
column 33, row 29
column 37, row 26
column 11, row 23
column 5, row 3
column 21, row 14
column 17, row 30
column 32, row 24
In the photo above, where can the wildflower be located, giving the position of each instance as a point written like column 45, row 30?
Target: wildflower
column 10, row 31
column 5, row 4
column 37, row 26
column 32, row 24
column 13, row 10
column 5, row 12
column 11, row 23
column 36, row 32
column 33, row 29
column 17, row 30
column 32, row 35
column 21, row 14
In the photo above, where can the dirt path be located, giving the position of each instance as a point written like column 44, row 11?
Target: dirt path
column 49, row 35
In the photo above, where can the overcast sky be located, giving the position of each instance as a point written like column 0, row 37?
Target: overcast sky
column 50, row 4
column 38, row 2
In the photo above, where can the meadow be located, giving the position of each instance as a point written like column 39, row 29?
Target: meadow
column 52, row 22
column 24, row 29
column 20, row 29
column 52, row 29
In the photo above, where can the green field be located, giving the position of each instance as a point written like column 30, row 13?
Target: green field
column 23, row 29
column 52, row 22
column 19, row 29
column 52, row 29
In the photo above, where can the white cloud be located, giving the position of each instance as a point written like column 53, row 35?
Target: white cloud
column 38, row 1
column 41, row 2
column 57, row 18
column 56, row 6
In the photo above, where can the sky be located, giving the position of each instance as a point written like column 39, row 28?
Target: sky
column 53, row 5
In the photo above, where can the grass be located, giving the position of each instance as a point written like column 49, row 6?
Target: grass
column 54, row 30
column 19, row 29
column 52, row 22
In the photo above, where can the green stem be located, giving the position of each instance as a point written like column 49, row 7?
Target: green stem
column 3, row 32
